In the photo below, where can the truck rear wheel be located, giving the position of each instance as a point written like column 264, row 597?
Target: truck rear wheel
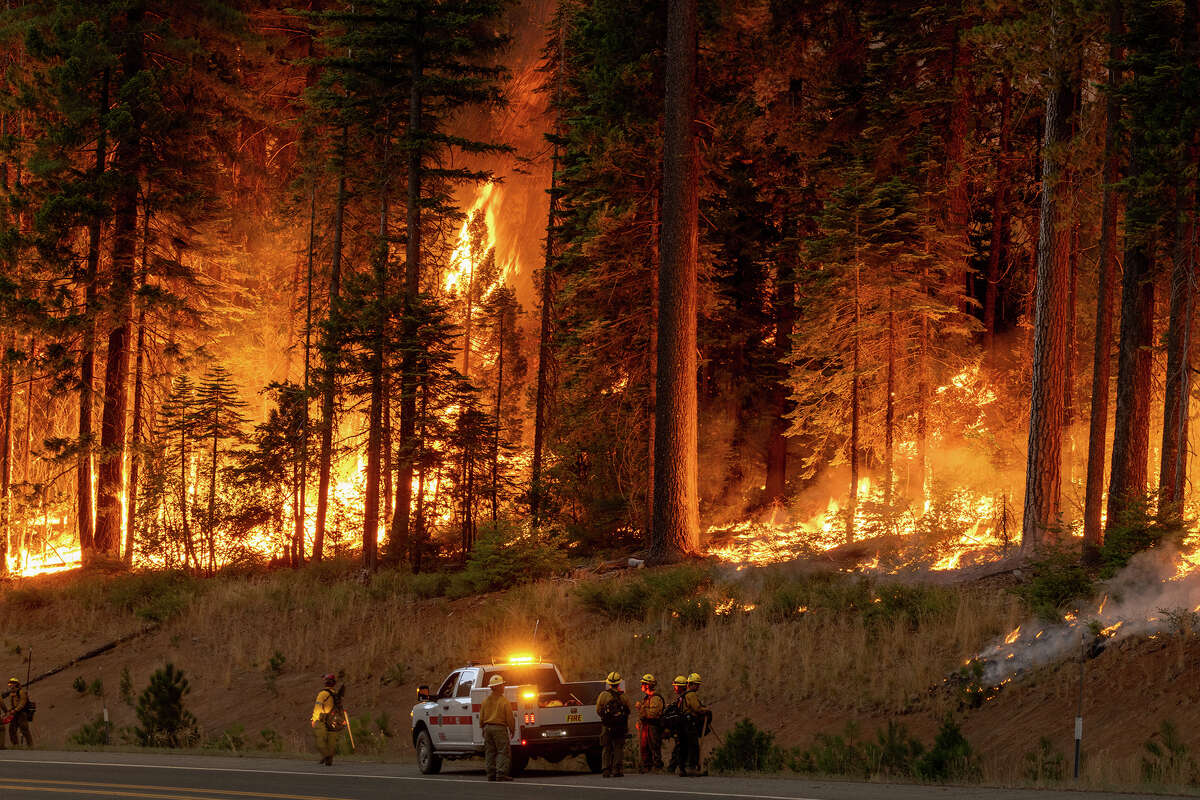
column 518, row 763
column 595, row 760
column 428, row 761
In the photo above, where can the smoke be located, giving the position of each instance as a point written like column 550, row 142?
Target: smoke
column 1159, row 591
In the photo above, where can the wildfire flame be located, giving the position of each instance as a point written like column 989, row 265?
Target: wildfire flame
column 976, row 523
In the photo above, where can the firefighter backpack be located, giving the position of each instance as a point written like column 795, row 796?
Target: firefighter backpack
column 335, row 720
column 614, row 714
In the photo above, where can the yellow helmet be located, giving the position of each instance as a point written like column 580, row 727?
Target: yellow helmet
column 497, row 680
column 649, row 680
column 679, row 681
column 613, row 678
column 13, row 680
column 694, row 678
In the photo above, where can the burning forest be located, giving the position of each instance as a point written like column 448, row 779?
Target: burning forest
column 902, row 290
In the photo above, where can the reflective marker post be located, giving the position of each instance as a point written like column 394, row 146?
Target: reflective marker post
column 1079, row 713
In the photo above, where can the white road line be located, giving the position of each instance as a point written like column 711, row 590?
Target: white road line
column 605, row 788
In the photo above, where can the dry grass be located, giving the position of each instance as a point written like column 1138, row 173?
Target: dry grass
column 859, row 651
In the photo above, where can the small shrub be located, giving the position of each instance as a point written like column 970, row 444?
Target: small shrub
column 694, row 612
column 969, row 679
column 950, row 758
column 672, row 585
column 1181, row 621
column 384, row 723
column 164, row 722
column 746, row 748
column 910, row 604
column 79, row 684
column 617, row 600
column 396, row 674
column 271, row 740
column 835, row 754
column 1137, row 529
column 91, row 734
column 505, row 556
column 1058, row 581
column 97, row 688
column 126, row 687
column 234, row 738
column 1166, row 760
column 153, row 596
column 894, row 753
column 632, row 599
column 428, row 584
column 1045, row 763
column 275, row 662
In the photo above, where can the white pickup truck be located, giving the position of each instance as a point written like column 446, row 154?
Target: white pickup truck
column 555, row 719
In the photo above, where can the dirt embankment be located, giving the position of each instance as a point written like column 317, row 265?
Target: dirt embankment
column 798, row 654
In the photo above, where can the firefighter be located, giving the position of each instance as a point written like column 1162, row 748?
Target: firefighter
column 17, row 700
column 676, row 714
column 650, row 710
column 496, row 719
column 694, row 726
column 328, row 720
column 613, row 709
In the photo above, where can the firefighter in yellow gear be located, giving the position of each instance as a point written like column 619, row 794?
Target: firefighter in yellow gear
column 695, row 722
column 16, row 700
column 613, row 709
column 650, row 710
column 328, row 720
column 677, row 752
column 498, row 723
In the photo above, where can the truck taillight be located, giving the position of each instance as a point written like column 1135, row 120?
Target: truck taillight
column 529, row 719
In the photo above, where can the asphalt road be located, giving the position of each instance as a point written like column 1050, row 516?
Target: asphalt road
column 88, row 776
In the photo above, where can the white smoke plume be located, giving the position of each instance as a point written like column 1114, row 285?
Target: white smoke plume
column 1158, row 591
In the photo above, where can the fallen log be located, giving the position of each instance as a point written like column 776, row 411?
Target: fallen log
column 96, row 651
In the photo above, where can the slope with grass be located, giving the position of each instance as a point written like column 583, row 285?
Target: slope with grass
column 800, row 652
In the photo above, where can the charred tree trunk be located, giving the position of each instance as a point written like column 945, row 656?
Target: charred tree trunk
column 852, row 505
column 370, row 541
column 1105, row 292
column 127, row 164
column 1131, row 424
column 998, row 253
column 398, row 538
column 302, row 505
column 417, row 547
column 87, row 357
column 922, row 467
column 1176, row 405
column 957, row 172
column 385, row 450
column 6, row 450
column 676, row 527
column 331, row 350
column 545, row 331
column 135, row 455
column 189, row 553
column 211, row 524
column 781, row 404
column 889, row 413
column 1071, row 211
column 1044, row 461
column 496, row 431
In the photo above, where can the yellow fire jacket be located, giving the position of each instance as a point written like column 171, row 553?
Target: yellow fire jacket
column 495, row 710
